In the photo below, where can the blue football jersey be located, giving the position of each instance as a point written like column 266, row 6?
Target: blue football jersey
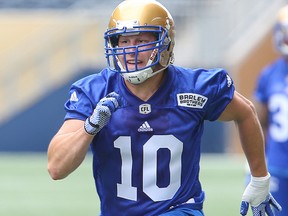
column 272, row 90
column 146, row 159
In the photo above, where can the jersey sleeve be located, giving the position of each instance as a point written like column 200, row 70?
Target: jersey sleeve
column 81, row 104
column 221, row 93
column 86, row 93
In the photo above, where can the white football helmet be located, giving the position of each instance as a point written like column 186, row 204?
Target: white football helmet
column 281, row 31
column 130, row 18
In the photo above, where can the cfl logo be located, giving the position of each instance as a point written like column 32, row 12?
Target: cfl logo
column 145, row 108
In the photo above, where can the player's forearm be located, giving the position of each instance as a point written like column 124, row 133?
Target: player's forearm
column 252, row 141
column 66, row 152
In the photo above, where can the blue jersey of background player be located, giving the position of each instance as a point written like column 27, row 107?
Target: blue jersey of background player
column 144, row 120
column 272, row 93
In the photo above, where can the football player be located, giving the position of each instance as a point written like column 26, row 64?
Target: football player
column 272, row 94
column 143, row 118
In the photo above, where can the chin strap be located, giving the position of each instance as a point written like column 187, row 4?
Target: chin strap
column 141, row 75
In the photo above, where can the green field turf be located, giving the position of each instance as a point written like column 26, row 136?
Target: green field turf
column 27, row 190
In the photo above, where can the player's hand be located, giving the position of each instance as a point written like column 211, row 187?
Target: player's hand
column 257, row 195
column 264, row 207
column 102, row 113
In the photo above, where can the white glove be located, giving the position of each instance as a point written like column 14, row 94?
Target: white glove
column 102, row 113
column 257, row 195
column 257, row 190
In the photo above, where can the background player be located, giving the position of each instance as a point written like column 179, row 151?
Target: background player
column 144, row 120
column 272, row 95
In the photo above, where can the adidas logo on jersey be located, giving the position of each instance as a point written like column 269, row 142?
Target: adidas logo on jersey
column 229, row 81
column 74, row 97
column 145, row 127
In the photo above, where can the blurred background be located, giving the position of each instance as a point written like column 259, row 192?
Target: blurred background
column 46, row 45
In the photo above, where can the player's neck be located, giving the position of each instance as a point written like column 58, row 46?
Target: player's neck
column 146, row 89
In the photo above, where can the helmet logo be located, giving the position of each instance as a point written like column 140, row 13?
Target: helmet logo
column 129, row 24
